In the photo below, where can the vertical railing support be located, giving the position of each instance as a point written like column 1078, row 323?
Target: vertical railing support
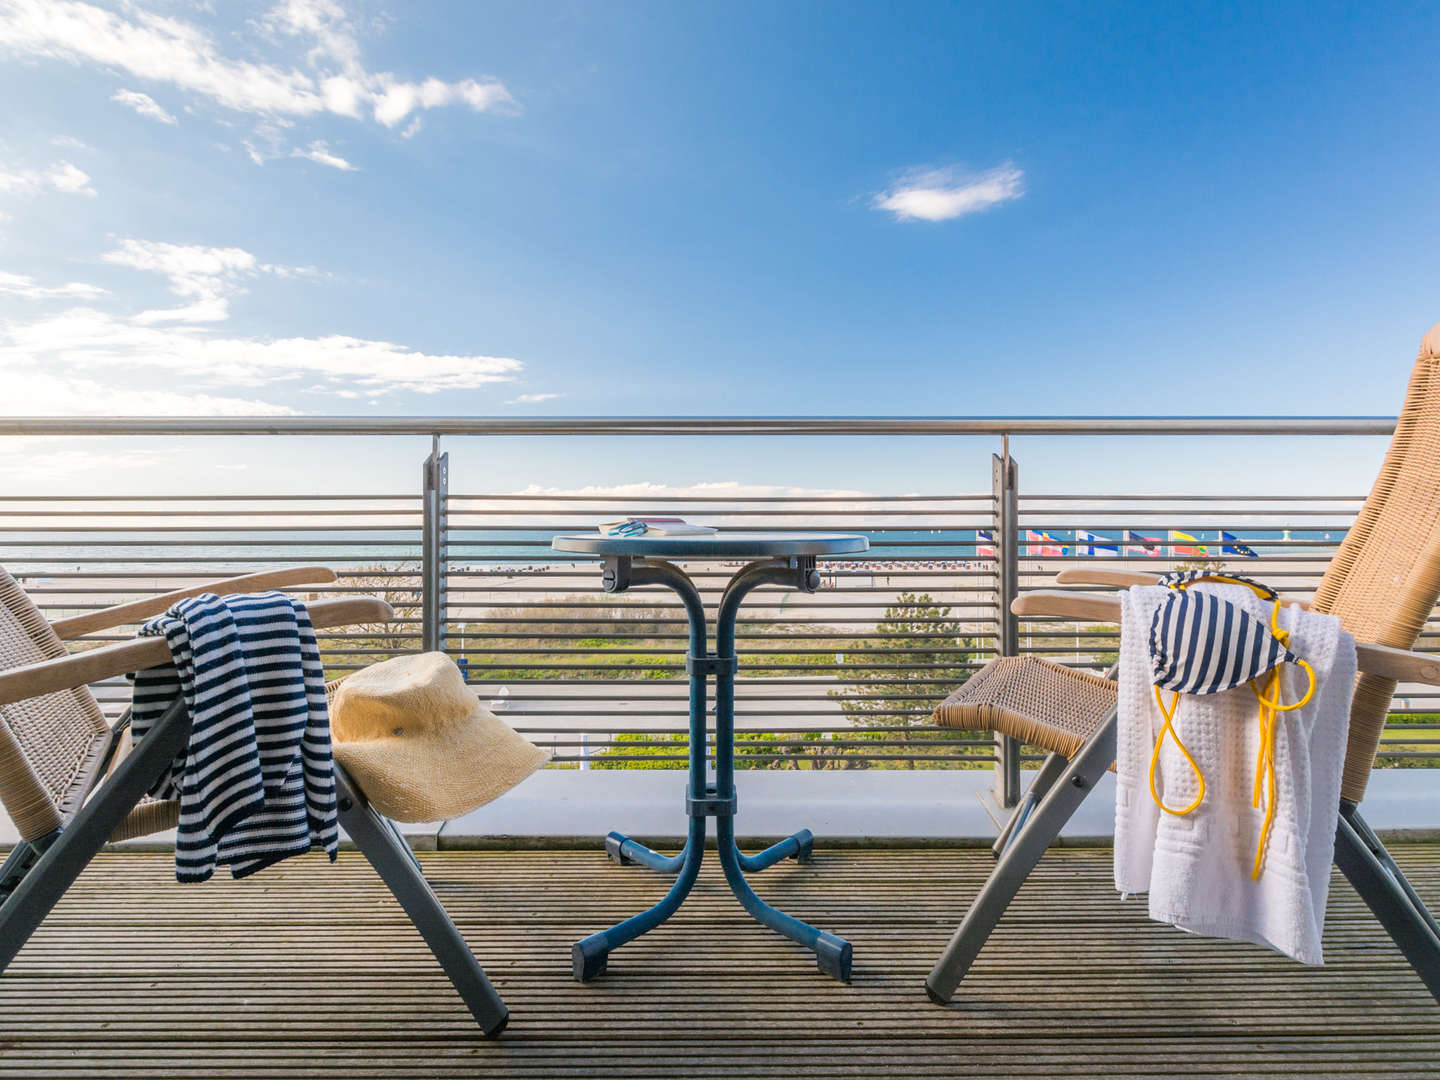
column 1007, row 554
column 435, row 489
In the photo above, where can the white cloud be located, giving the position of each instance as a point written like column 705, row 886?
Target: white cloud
column 86, row 360
column 168, row 50
column 532, row 399
column 319, row 152
column 28, row 288
column 61, row 176
column 30, row 391
column 88, row 341
column 944, row 194
column 69, row 142
column 722, row 489
column 143, row 104
column 203, row 275
column 28, row 458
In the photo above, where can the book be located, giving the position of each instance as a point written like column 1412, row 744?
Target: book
column 658, row 526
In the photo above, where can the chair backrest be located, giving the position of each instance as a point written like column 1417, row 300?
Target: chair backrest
column 46, row 742
column 1385, row 579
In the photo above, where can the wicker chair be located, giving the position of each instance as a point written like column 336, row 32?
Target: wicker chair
column 1383, row 584
column 70, row 782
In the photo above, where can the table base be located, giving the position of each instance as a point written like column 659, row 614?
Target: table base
column 832, row 954
column 703, row 799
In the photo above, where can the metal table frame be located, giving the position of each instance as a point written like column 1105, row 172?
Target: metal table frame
column 702, row 799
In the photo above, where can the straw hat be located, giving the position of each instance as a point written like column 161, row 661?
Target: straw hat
column 420, row 745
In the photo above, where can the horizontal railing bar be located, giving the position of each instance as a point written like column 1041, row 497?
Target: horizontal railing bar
column 629, row 510
column 1025, row 498
column 742, row 756
column 612, row 500
column 413, row 498
column 811, row 730
column 697, row 425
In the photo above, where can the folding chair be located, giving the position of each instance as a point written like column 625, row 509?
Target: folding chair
column 1383, row 584
column 71, row 782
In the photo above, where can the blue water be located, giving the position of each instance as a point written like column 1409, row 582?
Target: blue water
column 41, row 552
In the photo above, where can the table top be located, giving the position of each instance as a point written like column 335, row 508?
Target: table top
column 717, row 546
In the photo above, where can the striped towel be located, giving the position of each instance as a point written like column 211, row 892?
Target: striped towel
column 256, row 783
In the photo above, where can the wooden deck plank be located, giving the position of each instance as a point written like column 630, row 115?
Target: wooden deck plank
column 309, row 970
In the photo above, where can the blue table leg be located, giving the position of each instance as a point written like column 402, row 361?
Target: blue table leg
column 591, row 954
column 832, row 953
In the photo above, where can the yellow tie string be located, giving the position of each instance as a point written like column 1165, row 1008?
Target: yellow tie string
column 1169, row 714
column 1271, row 705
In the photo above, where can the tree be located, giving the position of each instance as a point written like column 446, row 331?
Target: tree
column 362, row 644
column 917, row 656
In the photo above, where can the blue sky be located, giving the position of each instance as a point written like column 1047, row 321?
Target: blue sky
column 808, row 208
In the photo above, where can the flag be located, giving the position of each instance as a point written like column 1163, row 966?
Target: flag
column 1136, row 544
column 984, row 543
column 1096, row 547
column 1187, row 545
column 1230, row 546
column 1043, row 544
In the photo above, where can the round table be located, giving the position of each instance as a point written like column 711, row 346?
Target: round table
column 785, row 559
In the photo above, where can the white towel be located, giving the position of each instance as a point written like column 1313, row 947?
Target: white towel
column 1196, row 868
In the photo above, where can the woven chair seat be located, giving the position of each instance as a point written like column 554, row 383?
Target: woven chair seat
column 1033, row 700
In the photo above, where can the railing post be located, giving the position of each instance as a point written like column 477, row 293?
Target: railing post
column 1007, row 554
column 435, row 490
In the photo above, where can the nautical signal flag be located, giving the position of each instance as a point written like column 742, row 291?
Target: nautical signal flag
column 1136, row 544
column 1095, row 547
column 1043, row 544
column 1231, row 546
column 1182, row 543
column 984, row 543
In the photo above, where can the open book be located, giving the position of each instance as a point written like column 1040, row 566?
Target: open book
column 654, row 526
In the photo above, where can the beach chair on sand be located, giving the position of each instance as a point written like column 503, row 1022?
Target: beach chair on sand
column 1383, row 584
column 71, row 782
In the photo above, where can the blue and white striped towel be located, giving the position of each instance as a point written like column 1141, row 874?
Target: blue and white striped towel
column 256, row 783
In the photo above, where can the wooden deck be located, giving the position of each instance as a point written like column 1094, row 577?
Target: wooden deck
column 309, row 970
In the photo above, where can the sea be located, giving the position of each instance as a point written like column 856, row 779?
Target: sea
column 41, row 553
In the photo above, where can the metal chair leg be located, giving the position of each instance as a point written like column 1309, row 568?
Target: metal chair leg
column 88, row 831
column 1392, row 902
column 393, row 860
column 1050, row 771
column 1021, row 856
column 1367, row 835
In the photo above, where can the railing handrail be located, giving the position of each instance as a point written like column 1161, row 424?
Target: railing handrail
column 697, row 425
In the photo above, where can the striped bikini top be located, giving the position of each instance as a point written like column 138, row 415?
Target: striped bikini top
column 1201, row 644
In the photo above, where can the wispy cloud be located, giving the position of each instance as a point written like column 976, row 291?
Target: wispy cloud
column 61, row 176
column 143, row 104
column 532, row 399
column 28, row 459
column 43, row 392
column 319, row 152
column 945, row 194
column 172, row 51
column 27, row 288
column 173, row 361
column 205, row 276
column 69, row 142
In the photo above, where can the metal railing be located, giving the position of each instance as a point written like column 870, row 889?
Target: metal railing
column 845, row 678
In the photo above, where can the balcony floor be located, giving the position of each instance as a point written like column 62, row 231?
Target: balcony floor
column 309, row 970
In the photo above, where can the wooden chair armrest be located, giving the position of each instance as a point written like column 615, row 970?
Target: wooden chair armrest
column 138, row 610
column 1402, row 665
column 1088, row 575
column 1123, row 579
column 93, row 665
column 1092, row 607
